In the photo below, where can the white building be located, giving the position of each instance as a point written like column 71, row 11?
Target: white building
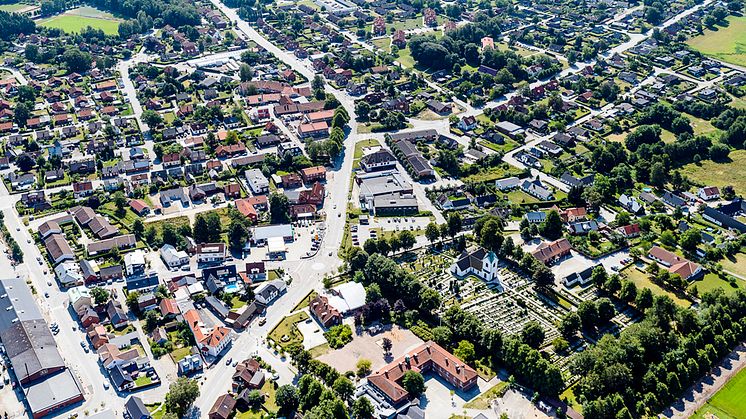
column 173, row 258
column 134, row 262
column 480, row 263
column 258, row 183
column 268, row 291
column 69, row 273
column 211, row 253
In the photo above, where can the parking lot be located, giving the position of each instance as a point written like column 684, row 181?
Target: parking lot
column 362, row 232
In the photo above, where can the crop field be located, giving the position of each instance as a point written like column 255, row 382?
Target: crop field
column 75, row 20
column 729, row 402
column 720, row 174
column 725, row 43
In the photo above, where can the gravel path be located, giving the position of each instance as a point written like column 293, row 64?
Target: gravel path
column 698, row 394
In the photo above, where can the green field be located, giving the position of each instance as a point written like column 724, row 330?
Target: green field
column 14, row 7
column 725, row 43
column 729, row 402
column 75, row 20
column 735, row 264
column 720, row 174
column 642, row 280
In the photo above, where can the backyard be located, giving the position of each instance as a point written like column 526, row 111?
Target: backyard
column 726, row 43
column 711, row 173
column 75, row 20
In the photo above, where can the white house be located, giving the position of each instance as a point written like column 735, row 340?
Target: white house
column 134, row 262
column 268, row 291
column 211, row 253
column 709, row 193
column 173, row 258
column 69, row 273
column 481, row 263
column 258, row 183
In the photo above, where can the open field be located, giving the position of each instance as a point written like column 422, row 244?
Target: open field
column 75, row 20
column 725, row 43
column 720, row 174
column 15, row 7
column 736, row 264
column 711, row 281
column 642, row 280
column 729, row 402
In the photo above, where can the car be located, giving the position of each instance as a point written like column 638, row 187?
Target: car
column 330, row 253
column 185, row 268
column 49, row 283
column 275, row 376
column 228, row 361
column 75, row 328
column 28, row 241
column 234, row 363
column 18, row 228
column 106, row 385
column 46, row 295
column 262, row 321
column 82, row 344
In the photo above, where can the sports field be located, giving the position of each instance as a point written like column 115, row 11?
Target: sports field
column 729, row 402
column 77, row 19
column 725, row 43
column 711, row 173
column 15, row 7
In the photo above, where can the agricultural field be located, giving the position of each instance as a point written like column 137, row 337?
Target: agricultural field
column 77, row 19
column 729, row 402
column 720, row 174
column 726, row 43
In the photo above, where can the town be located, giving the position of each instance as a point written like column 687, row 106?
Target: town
column 370, row 209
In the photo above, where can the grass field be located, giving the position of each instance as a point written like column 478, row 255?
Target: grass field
column 735, row 264
column 729, row 402
column 720, row 174
column 287, row 327
column 484, row 399
column 725, row 43
column 14, row 7
column 75, row 20
column 711, row 281
column 642, row 280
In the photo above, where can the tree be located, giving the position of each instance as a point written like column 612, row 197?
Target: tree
column 551, row 227
column 25, row 162
column 245, row 72
column 533, row 334
column 606, row 310
column 120, row 202
column 362, row 408
column 569, row 325
column 363, row 367
column 279, row 208
column 431, row 232
column 407, row 240
column 256, row 398
column 454, row 224
column 465, row 351
column 152, row 318
column 151, row 118
column 599, row 276
column 644, row 299
column 287, row 398
column 490, row 235
column 628, row 292
column 100, row 295
column 77, row 61
column 413, row 383
column 138, row 228
column 588, row 313
column 343, row 387
column 386, row 345
column 181, row 394
column 690, row 239
column 22, row 114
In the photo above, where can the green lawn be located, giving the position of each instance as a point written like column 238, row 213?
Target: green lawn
column 711, row 281
column 405, row 58
column 711, row 173
column 143, row 380
column 14, row 7
column 180, row 353
column 383, row 43
column 735, row 264
column 724, row 43
column 729, row 402
column 287, row 327
column 71, row 23
column 642, row 280
column 482, row 401
column 359, row 146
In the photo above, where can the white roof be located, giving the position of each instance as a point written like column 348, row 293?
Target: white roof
column 276, row 245
column 134, row 258
column 76, row 293
column 195, row 288
column 347, row 297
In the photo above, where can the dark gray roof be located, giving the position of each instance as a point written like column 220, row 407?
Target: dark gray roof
column 54, row 391
column 24, row 332
column 136, row 408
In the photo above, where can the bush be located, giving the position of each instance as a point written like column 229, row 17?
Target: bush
column 339, row 336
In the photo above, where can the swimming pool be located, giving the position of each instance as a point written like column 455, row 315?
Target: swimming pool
column 231, row 288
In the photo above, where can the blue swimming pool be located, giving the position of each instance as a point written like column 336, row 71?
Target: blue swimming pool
column 231, row 288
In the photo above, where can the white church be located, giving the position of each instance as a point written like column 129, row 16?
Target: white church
column 480, row 263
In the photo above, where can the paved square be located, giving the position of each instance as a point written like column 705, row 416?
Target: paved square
column 369, row 347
